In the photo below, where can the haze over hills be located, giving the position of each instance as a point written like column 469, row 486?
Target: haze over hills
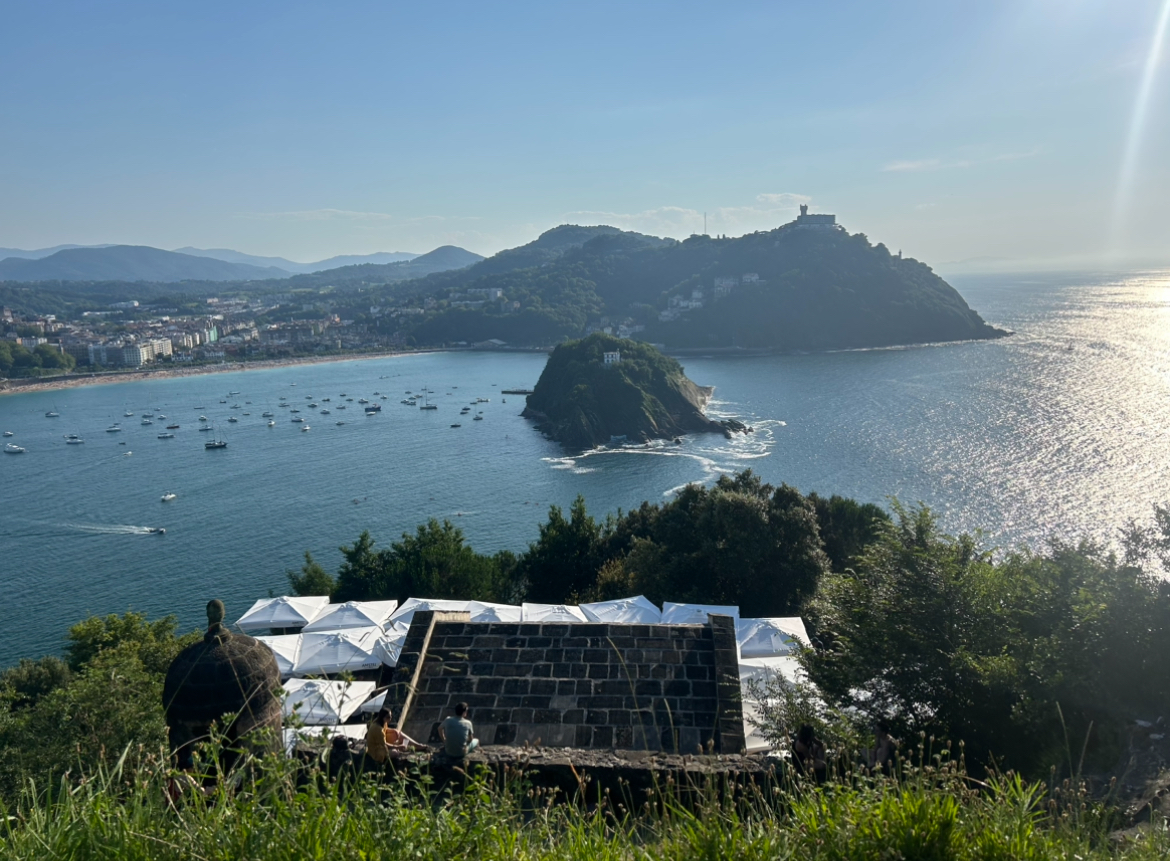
column 144, row 263
column 38, row 253
column 291, row 266
column 130, row 263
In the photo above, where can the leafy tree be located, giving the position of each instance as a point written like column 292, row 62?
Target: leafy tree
column 362, row 574
column 156, row 643
column 565, row 558
column 25, row 684
column 312, row 579
column 847, row 527
column 930, row 632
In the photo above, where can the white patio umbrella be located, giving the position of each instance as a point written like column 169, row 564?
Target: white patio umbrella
column 286, row 648
column 283, row 612
column 319, row 702
column 388, row 647
column 483, row 611
column 410, row 606
column 761, row 671
column 374, row 704
column 761, row 638
column 694, row 614
column 352, row 614
column 338, row 651
column 352, row 731
column 636, row 610
column 551, row 613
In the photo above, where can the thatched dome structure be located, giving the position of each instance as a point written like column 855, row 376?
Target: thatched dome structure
column 224, row 675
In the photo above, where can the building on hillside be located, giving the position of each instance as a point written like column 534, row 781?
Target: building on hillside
column 816, row 220
column 612, row 357
column 750, row 278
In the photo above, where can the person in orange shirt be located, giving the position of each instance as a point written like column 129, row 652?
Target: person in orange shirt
column 381, row 739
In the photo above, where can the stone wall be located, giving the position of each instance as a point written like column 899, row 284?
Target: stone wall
column 672, row 688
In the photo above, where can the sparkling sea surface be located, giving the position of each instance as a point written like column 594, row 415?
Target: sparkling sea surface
column 1062, row 429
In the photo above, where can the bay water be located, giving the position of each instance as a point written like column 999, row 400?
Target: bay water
column 1061, row 430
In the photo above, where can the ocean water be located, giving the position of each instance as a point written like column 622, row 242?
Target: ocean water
column 1061, row 430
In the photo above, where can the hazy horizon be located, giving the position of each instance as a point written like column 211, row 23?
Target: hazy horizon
column 1008, row 135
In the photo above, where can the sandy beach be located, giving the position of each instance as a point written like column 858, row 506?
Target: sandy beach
column 21, row 386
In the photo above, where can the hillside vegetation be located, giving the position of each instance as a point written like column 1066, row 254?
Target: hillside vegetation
column 582, row 402
column 804, row 290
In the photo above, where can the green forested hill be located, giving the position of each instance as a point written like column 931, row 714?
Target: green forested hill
column 816, row 289
column 582, row 402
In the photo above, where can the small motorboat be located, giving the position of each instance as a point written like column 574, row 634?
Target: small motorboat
column 478, row 419
column 147, row 422
column 456, row 425
column 297, row 419
column 340, row 423
column 305, row 428
column 8, row 433
column 157, row 530
column 215, row 443
column 271, row 423
column 233, row 419
column 74, row 440
column 52, row 415
column 203, row 418
column 267, row 414
column 206, row 427
column 167, row 435
column 167, row 497
column 12, row 448
column 113, row 429
column 172, row 427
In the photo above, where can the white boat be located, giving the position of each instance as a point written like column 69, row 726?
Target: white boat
column 12, row 448
column 271, row 423
column 340, row 423
column 203, row 418
column 205, row 427
column 297, row 419
column 8, row 433
column 113, row 429
column 127, row 414
column 267, row 414
column 478, row 418
column 167, row 497
column 166, row 435
column 233, row 419
column 305, row 427
column 341, row 406
column 147, row 422
column 51, row 414
column 73, row 439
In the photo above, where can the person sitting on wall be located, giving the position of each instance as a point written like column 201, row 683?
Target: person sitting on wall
column 383, row 739
column 458, row 735
column 339, row 763
column 881, row 758
column 808, row 754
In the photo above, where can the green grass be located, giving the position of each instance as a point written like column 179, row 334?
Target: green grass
column 269, row 812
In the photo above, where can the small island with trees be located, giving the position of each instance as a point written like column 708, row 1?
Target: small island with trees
column 602, row 389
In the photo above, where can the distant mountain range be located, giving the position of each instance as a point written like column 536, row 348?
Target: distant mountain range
column 143, row 263
column 291, row 266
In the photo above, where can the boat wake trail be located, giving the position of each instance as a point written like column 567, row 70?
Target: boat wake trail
column 111, row 528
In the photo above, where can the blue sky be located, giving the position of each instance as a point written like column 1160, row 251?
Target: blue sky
column 949, row 130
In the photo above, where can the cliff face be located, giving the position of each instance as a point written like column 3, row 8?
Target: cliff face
column 582, row 402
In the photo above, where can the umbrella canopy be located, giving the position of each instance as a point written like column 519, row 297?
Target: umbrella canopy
column 374, row 704
column 352, row 614
column 322, row 734
column 317, row 702
column 411, row 605
column 338, row 651
column 762, row 638
column 482, row 611
column 551, row 613
column 388, row 647
column 693, row 614
column 636, row 610
column 283, row 612
column 286, row 648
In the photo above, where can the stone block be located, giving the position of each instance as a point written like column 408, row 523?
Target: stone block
column 543, row 686
column 585, row 687
column 573, row 716
column 505, row 656
column 555, row 630
column 602, row 736
column 618, row 717
column 504, row 629
column 461, row 685
column 583, row 736
column 554, row 655
column 703, row 689
column 597, row 671
column 512, row 670
column 505, row 734
column 578, row 671
column 530, row 629
column 623, row 737
column 530, row 656
column 541, row 671
column 575, row 642
column 536, row 702
column 487, row 641
column 540, row 642
column 700, row 673
column 596, row 717
column 522, row 716
column 482, row 669
column 546, row 716
column 592, row 629
column 489, row 685
column 677, row 688
column 566, row 687
column 517, row 686
column 598, row 656
column 648, row 687
column 574, row 654
column 449, row 629
column 515, row 642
